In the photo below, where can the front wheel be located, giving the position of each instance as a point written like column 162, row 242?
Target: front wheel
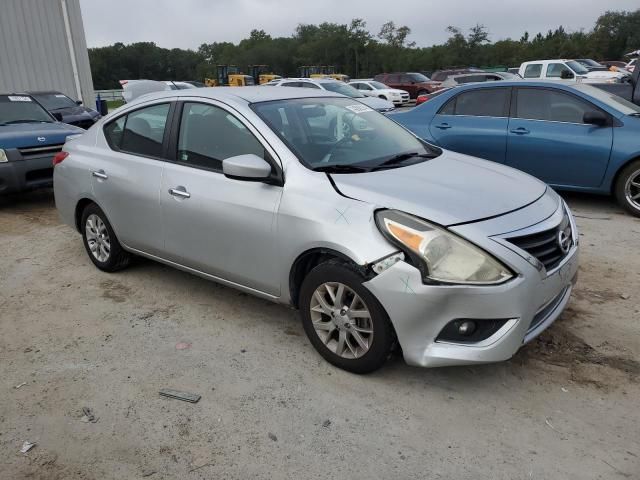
column 627, row 188
column 343, row 320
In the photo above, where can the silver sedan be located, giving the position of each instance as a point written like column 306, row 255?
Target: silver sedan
column 311, row 199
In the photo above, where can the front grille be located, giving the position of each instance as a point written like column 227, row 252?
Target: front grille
column 40, row 151
column 546, row 246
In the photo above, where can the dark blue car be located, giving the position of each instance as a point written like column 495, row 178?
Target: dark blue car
column 574, row 137
column 65, row 109
column 29, row 139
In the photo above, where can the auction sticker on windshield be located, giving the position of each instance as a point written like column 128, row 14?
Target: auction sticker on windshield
column 359, row 108
column 14, row 98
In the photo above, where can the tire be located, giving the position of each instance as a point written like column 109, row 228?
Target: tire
column 375, row 331
column 628, row 186
column 97, row 234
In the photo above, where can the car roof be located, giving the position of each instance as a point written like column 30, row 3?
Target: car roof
column 44, row 92
column 518, row 83
column 253, row 94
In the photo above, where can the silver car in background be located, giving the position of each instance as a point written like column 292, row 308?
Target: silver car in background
column 311, row 199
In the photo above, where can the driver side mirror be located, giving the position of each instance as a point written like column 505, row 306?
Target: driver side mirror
column 566, row 75
column 249, row 167
column 78, row 102
column 57, row 116
column 595, row 117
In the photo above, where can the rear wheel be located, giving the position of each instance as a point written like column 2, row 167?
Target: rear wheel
column 343, row 320
column 100, row 241
column 627, row 188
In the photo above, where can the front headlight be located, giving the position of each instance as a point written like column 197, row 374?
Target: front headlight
column 441, row 255
column 3, row 156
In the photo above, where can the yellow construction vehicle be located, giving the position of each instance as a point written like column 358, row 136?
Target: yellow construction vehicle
column 322, row 71
column 261, row 74
column 229, row 76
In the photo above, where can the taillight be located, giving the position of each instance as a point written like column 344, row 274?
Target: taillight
column 60, row 157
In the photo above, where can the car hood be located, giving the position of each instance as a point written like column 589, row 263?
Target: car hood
column 376, row 103
column 448, row 190
column 22, row 135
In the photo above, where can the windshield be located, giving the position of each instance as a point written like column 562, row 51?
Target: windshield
column 344, row 89
column 418, row 77
column 614, row 101
column 589, row 62
column 21, row 109
column 378, row 85
column 54, row 101
column 338, row 132
column 576, row 67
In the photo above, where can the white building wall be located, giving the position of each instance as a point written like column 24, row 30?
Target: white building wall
column 36, row 44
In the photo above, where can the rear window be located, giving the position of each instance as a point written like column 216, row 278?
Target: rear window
column 533, row 70
column 140, row 132
column 484, row 102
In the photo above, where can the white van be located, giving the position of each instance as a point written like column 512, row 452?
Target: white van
column 567, row 71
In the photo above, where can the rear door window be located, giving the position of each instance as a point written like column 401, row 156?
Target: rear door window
column 550, row 105
column 533, row 70
column 483, row 102
column 140, row 132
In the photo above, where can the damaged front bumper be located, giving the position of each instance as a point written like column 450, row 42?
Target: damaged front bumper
column 521, row 308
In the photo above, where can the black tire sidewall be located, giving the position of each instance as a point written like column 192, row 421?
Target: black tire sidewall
column 383, row 336
column 632, row 168
column 114, row 262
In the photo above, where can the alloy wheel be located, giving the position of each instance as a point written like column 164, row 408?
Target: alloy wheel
column 632, row 189
column 98, row 238
column 341, row 320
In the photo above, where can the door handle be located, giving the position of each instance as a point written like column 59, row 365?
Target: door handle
column 100, row 174
column 520, row 131
column 443, row 126
column 179, row 192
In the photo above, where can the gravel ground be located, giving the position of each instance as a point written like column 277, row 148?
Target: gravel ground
column 565, row 407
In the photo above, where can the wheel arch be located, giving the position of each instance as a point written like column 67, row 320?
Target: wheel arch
column 616, row 176
column 309, row 259
column 80, row 206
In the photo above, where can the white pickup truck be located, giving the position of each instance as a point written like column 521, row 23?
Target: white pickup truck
column 567, row 71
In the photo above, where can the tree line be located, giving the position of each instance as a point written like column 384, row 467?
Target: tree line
column 356, row 51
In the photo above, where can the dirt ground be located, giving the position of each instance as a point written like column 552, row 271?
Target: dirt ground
column 565, row 407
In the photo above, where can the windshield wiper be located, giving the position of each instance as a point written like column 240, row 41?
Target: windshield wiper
column 402, row 157
column 341, row 169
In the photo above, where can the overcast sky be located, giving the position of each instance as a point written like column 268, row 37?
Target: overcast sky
column 189, row 23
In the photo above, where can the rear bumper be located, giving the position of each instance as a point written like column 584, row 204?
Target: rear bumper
column 26, row 174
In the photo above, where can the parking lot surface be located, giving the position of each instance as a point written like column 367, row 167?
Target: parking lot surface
column 72, row 337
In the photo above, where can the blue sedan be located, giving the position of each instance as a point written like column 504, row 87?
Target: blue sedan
column 574, row 137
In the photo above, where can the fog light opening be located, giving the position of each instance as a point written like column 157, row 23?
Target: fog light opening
column 469, row 331
column 467, row 328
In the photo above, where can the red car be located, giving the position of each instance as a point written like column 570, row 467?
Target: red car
column 414, row 83
column 428, row 96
